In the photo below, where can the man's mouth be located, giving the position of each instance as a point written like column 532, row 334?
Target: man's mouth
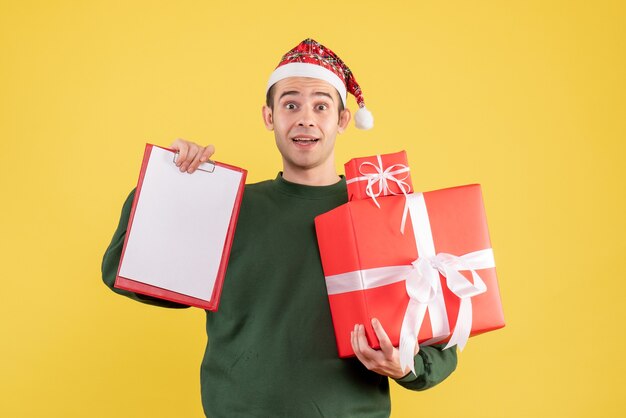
column 305, row 140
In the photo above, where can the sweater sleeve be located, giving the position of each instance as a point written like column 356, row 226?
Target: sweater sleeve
column 111, row 261
column 433, row 365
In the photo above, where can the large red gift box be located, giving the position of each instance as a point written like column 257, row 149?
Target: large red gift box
column 367, row 259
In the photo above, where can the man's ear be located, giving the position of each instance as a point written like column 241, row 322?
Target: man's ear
column 268, row 118
column 344, row 119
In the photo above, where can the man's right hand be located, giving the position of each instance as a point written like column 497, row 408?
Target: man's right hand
column 191, row 155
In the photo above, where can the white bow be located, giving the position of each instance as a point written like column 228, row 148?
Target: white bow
column 381, row 178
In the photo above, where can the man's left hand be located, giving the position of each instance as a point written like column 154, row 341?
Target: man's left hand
column 385, row 361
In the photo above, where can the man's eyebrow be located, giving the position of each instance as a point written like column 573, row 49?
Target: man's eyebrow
column 297, row 93
column 323, row 93
column 289, row 93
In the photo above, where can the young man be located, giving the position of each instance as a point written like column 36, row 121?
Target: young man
column 271, row 349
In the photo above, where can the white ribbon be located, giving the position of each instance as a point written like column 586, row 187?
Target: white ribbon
column 381, row 177
column 423, row 285
column 421, row 293
column 449, row 266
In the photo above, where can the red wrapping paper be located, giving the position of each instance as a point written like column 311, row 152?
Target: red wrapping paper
column 355, row 168
column 359, row 236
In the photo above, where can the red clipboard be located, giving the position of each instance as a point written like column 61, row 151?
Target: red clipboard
column 181, row 230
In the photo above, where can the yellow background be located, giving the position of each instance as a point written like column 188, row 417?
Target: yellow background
column 526, row 98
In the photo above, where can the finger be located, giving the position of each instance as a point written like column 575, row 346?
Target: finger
column 368, row 352
column 355, row 342
column 209, row 150
column 181, row 146
column 385, row 343
column 357, row 349
column 176, row 144
column 191, row 154
column 193, row 165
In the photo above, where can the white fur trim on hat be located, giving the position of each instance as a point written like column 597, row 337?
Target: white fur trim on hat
column 303, row 69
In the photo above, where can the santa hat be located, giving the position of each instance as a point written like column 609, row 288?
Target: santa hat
column 312, row 59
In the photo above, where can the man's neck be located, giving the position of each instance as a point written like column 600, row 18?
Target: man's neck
column 318, row 176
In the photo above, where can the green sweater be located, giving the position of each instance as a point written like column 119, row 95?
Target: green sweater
column 271, row 348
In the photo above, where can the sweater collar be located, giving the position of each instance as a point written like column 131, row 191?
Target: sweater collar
column 313, row 192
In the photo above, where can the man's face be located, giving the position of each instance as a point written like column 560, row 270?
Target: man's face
column 305, row 121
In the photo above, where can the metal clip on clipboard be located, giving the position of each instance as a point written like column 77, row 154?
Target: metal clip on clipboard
column 208, row 166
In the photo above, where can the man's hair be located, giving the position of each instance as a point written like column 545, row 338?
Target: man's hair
column 269, row 100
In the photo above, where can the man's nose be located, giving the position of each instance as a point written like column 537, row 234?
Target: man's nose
column 306, row 117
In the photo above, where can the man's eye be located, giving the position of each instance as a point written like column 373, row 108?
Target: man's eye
column 290, row 106
column 322, row 107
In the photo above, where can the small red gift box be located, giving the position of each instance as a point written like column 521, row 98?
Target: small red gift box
column 379, row 175
column 371, row 267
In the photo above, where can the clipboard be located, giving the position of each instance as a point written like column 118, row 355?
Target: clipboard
column 180, row 230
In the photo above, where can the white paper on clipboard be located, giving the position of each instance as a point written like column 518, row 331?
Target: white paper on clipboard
column 179, row 227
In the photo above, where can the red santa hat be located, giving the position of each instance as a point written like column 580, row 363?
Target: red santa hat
column 312, row 59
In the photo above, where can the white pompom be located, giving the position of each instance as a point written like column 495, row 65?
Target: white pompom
column 363, row 118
